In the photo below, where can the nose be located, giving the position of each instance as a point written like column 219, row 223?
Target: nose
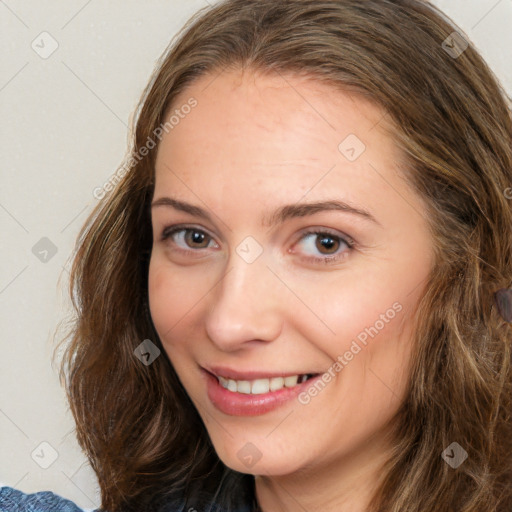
column 245, row 306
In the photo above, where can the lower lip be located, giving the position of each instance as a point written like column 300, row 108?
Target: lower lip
column 241, row 404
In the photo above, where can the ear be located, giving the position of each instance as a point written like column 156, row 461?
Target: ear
column 503, row 301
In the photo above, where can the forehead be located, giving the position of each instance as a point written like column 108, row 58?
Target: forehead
column 272, row 139
column 260, row 121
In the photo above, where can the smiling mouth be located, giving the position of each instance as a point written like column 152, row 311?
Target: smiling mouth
column 260, row 386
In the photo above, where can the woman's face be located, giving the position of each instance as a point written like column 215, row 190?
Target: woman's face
column 242, row 291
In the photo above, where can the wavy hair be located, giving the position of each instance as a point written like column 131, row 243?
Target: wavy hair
column 451, row 119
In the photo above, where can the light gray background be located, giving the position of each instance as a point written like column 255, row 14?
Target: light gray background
column 64, row 131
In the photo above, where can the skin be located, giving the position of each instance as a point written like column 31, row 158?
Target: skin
column 253, row 143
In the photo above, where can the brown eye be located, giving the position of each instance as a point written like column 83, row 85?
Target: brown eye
column 325, row 247
column 327, row 242
column 196, row 239
column 187, row 238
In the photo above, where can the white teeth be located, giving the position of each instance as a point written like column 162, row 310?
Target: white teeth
column 244, row 386
column 259, row 386
column 291, row 381
column 276, row 383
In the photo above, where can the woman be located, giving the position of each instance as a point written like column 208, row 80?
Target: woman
column 297, row 296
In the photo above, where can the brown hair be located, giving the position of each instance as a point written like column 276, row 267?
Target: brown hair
column 451, row 120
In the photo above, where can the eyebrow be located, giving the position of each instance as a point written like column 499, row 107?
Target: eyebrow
column 278, row 216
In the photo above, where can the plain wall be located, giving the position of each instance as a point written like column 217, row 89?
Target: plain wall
column 64, row 131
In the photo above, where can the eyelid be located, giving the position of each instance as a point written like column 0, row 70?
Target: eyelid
column 327, row 259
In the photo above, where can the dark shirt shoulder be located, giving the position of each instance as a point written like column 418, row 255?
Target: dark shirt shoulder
column 238, row 490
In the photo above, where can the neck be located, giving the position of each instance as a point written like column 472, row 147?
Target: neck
column 344, row 484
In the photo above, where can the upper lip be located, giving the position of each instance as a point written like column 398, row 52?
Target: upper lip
column 230, row 373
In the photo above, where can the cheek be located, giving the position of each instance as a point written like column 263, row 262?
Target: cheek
column 172, row 297
column 366, row 334
column 370, row 353
column 173, row 300
column 349, row 310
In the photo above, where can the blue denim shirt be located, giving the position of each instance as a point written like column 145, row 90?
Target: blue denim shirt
column 13, row 500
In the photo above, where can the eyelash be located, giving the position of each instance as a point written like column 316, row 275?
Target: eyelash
column 168, row 232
